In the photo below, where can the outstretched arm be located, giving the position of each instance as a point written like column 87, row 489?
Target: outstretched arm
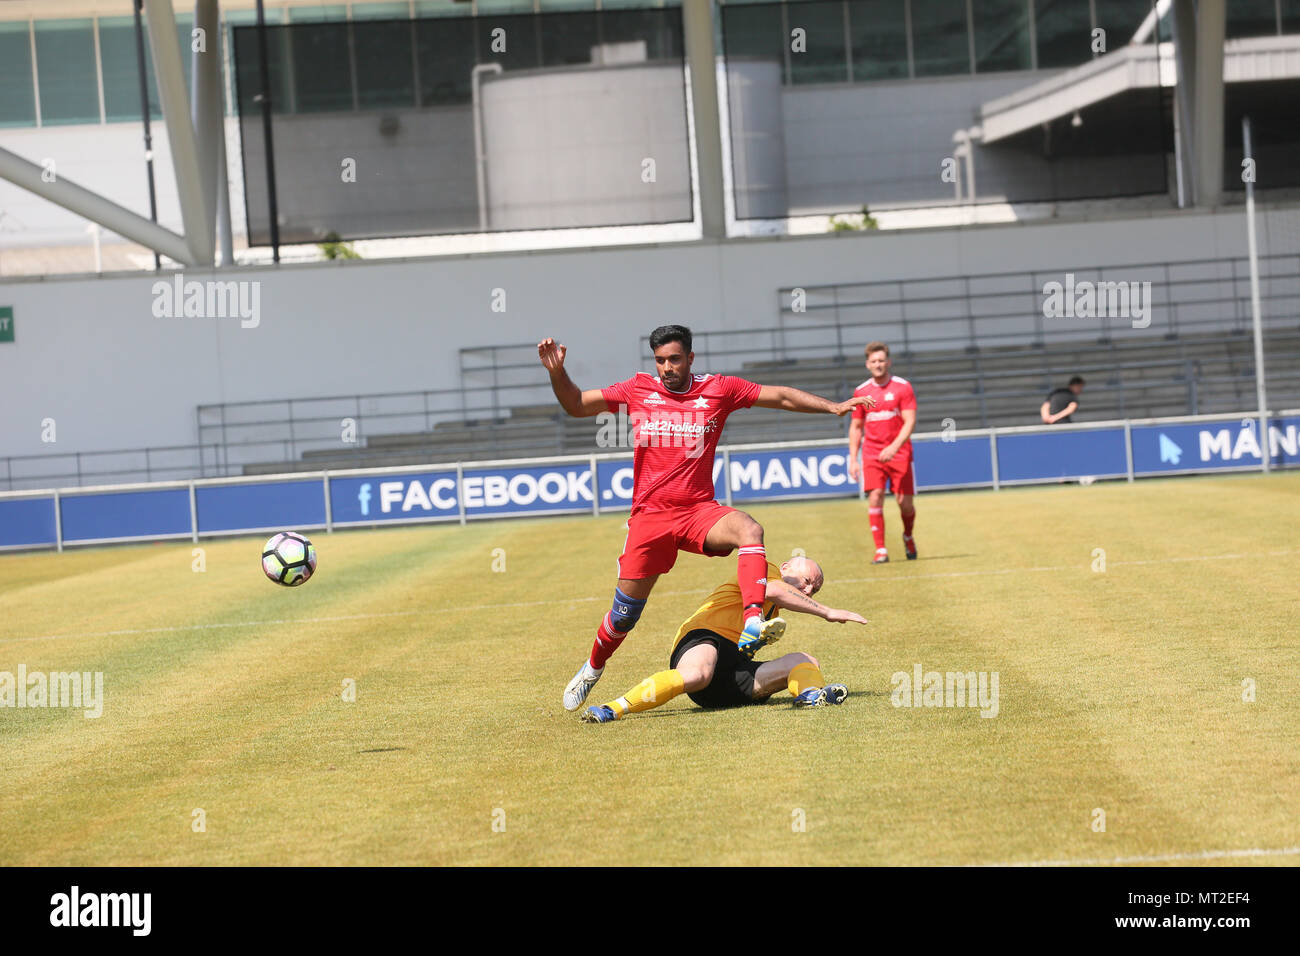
column 795, row 400
column 575, row 401
column 784, row 596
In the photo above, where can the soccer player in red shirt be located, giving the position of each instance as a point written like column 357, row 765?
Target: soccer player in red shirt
column 677, row 418
column 880, row 447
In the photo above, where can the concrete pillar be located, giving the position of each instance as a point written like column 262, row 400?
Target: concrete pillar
column 697, row 24
column 206, row 109
column 1211, row 26
column 199, row 231
column 64, row 192
column 1184, row 12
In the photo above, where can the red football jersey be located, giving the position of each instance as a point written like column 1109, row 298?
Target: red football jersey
column 885, row 421
column 676, row 434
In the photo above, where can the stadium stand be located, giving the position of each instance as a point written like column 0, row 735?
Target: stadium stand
column 1000, row 387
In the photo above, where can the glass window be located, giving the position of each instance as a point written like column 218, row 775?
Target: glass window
column 385, row 63
column 1291, row 16
column 245, row 61
column 1001, row 35
column 322, row 13
column 1252, row 18
column 322, row 67
column 445, row 48
column 65, row 60
column 17, row 96
column 1121, row 19
column 236, row 18
column 443, row 8
column 662, row 33
column 878, row 38
column 940, row 42
column 505, row 6
column 380, row 11
column 548, row 5
column 1064, row 31
column 753, row 30
column 568, row 38
column 117, row 54
column 824, row 58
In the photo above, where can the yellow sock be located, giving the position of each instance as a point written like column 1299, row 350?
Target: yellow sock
column 654, row 690
column 804, row 676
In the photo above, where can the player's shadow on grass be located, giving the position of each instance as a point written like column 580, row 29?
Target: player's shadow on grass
column 380, row 750
column 776, row 700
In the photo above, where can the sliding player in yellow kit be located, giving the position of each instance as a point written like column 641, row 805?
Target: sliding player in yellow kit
column 713, row 661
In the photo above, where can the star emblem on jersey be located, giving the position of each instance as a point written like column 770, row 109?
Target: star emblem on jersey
column 701, row 402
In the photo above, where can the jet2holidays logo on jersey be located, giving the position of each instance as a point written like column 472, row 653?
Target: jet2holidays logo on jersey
column 568, row 486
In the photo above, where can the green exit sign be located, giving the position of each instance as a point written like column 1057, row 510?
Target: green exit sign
column 6, row 323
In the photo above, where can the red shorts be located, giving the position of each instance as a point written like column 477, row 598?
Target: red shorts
column 655, row 537
column 897, row 472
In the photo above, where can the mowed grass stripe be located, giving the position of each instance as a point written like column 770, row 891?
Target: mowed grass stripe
column 461, row 710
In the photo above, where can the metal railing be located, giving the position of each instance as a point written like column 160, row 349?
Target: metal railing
column 1177, row 386
column 975, row 313
column 958, row 335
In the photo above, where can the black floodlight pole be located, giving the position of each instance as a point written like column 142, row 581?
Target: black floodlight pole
column 144, row 112
column 265, row 98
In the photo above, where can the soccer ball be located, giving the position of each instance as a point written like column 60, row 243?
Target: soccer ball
column 289, row 559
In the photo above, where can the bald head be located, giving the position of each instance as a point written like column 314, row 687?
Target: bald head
column 803, row 574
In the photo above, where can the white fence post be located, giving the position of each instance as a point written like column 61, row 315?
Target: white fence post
column 993, row 456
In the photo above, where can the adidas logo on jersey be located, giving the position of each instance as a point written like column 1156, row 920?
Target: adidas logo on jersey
column 654, row 398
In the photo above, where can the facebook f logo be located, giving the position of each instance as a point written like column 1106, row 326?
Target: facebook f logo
column 363, row 496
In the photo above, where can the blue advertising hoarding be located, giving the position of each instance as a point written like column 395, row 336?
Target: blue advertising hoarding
column 126, row 514
column 1209, row 446
column 543, row 489
column 400, row 496
column 27, row 522
column 252, row 505
column 790, row 473
column 1095, row 452
column 568, row 486
column 957, row 463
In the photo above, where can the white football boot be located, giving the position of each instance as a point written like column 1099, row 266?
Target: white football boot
column 581, row 685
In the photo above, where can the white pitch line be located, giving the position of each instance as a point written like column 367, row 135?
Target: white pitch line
column 893, row 579
column 1163, row 858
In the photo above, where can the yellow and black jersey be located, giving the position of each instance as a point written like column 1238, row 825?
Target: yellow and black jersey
column 721, row 611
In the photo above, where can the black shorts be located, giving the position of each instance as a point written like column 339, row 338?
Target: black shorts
column 733, row 677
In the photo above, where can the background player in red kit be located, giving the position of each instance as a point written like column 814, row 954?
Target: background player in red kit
column 677, row 418
column 883, row 436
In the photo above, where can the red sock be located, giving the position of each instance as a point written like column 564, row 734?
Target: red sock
column 607, row 641
column 751, row 575
column 877, row 526
column 908, row 518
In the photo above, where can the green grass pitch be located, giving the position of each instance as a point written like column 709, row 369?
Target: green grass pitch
column 1120, row 690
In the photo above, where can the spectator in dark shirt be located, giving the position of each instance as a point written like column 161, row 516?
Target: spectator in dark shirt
column 1062, row 402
